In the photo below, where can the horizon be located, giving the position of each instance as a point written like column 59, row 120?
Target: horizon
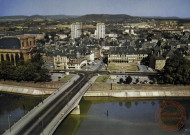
column 97, row 14
column 152, row 8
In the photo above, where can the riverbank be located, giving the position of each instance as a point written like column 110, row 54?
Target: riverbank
column 25, row 90
column 32, row 88
column 137, row 90
column 103, row 89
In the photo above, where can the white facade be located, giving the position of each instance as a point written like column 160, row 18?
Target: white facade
column 100, row 30
column 60, row 62
column 90, row 57
column 112, row 35
column 75, row 30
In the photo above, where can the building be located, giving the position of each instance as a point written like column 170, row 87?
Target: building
column 100, row 30
column 122, row 55
column 157, row 62
column 75, row 30
column 10, row 46
column 60, row 62
column 38, row 35
column 126, row 58
column 64, row 63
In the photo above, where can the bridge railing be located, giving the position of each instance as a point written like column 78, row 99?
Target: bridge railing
column 31, row 114
column 50, row 129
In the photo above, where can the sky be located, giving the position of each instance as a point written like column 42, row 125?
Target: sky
column 165, row 8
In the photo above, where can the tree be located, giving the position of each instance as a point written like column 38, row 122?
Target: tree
column 137, row 80
column 105, row 60
column 154, row 80
column 176, row 70
column 37, row 59
column 19, row 73
column 7, row 70
column 21, row 59
column 128, row 80
column 145, row 61
column 27, row 71
column 121, row 80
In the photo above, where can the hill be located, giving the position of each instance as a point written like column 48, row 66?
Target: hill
column 35, row 17
column 106, row 18
column 120, row 18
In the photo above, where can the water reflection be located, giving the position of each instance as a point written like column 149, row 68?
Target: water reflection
column 115, row 116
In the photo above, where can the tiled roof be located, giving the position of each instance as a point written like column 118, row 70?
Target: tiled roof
column 10, row 43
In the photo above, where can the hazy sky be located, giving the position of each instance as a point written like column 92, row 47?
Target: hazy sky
column 180, row 8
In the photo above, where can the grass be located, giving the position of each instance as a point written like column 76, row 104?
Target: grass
column 102, row 78
column 122, row 67
column 66, row 78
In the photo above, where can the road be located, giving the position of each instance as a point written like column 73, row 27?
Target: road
column 143, row 68
column 96, row 65
column 41, row 120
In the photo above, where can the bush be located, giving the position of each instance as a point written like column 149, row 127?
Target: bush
column 128, row 80
column 121, row 80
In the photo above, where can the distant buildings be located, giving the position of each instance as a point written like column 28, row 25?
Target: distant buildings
column 75, row 30
column 36, row 34
column 100, row 30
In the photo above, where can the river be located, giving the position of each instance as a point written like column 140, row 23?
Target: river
column 117, row 116
column 99, row 116
column 13, row 107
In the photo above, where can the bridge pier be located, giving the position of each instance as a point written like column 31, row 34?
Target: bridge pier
column 76, row 110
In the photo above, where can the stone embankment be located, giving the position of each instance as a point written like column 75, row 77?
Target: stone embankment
column 25, row 90
column 139, row 93
column 137, row 90
column 107, row 90
column 30, row 88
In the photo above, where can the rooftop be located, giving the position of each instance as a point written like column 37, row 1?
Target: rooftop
column 10, row 43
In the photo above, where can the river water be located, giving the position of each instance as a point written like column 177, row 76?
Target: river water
column 116, row 116
column 13, row 107
column 99, row 116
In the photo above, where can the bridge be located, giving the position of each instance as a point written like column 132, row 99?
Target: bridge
column 46, row 117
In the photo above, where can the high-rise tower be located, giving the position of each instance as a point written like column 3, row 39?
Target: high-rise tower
column 100, row 30
column 75, row 30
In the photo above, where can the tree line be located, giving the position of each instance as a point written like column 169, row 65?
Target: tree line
column 19, row 70
column 176, row 70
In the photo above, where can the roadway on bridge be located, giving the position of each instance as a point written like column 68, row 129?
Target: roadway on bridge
column 42, row 119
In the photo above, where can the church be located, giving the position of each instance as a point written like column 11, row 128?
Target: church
column 11, row 46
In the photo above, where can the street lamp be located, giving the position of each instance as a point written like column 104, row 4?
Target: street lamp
column 9, row 122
